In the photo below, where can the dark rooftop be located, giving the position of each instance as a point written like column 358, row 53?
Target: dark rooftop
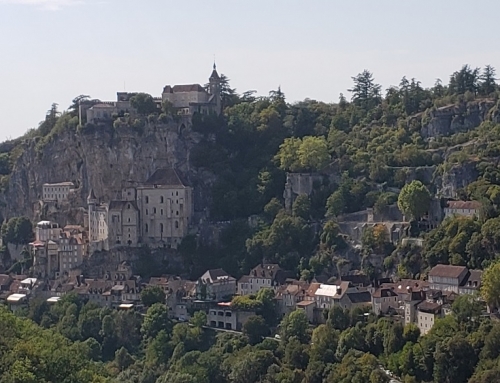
column 165, row 177
column 118, row 205
column 429, row 307
column 183, row 88
column 360, row 297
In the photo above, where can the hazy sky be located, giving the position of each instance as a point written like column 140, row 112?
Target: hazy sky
column 54, row 50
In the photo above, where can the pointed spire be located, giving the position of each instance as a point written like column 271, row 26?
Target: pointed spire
column 91, row 195
column 214, row 75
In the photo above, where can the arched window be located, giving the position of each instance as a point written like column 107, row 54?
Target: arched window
column 146, row 228
column 161, row 199
column 161, row 227
column 147, row 199
column 147, row 211
column 176, row 224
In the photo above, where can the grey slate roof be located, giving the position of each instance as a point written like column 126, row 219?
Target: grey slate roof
column 360, row 297
column 165, row 177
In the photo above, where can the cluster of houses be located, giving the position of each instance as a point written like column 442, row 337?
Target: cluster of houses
column 414, row 301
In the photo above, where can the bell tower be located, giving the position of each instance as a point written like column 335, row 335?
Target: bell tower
column 214, row 89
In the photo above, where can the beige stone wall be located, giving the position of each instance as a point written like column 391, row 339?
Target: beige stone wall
column 425, row 322
column 166, row 213
column 183, row 99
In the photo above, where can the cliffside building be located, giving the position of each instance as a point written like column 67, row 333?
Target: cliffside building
column 193, row 98
column 58, row 192
column 185, row 99
column 165, row 204
column 98, row 223
column 158, row 212
column 123, row 223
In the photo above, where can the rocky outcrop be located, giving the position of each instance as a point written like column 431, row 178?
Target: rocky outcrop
column 452, row 119
column 105, row 159
column 459, row 176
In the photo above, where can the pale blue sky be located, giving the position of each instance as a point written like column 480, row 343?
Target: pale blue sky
column 54, row 50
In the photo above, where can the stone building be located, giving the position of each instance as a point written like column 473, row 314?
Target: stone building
column 98, row 223
column 158, row 212
column 104, row 111
column 462, row 208
column 46, row 230
column 215, row 285
column 123, row 223
column 266, row 275
column 57, row 192
column 193, row 98
column 165, row 204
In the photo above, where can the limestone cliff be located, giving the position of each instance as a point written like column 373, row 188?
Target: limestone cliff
column 105, row 159
column 452, row 119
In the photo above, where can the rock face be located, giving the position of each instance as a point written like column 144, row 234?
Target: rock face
column 452, row 119
column 105, row 159
column 458, row 177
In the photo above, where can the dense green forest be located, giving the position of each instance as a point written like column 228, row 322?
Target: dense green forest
column 373, row 142
column 73, row 341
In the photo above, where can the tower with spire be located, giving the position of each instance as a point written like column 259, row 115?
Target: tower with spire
column 189, row 99
column 214, row 88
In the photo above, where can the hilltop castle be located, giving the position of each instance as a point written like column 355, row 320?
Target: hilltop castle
column 185, row 99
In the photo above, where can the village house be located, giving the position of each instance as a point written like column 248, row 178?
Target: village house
column 289, row 295
column 423, row 308
column 458, row 279
column 328, row 295
column 384, row 299
column 178, row 294
column 462, row 208
column 57, row 250
column 222, row 315
column 265, row 275
column 215, row 285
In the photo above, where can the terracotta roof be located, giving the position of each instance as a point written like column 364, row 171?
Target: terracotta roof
column 447, row 271
column 313, row 287
column 464, row 205
column 165, row 177
column 5, row 280
column 404, row 286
